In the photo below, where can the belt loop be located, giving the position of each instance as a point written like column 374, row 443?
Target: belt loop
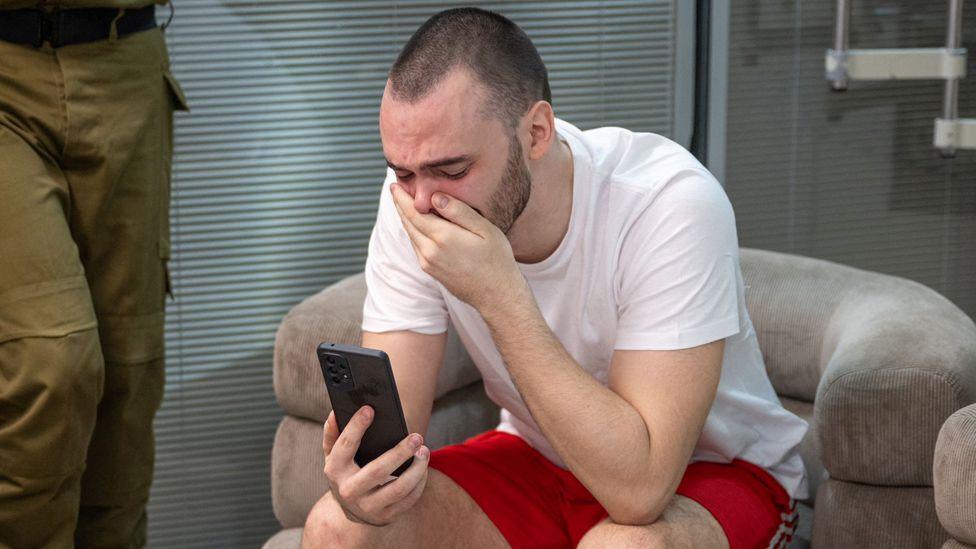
column 172, row 12
column 113, row 33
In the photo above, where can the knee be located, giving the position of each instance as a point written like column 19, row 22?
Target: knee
column 66, row 380
column 56, row 371
column 327, row 527
column 49, row 379
column 75, row 368
column 652, row 536
column 321, row 524
column 49, row 346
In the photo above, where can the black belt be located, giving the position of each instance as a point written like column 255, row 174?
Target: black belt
column 75, row 26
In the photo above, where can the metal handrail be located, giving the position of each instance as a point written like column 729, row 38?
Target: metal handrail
column 843, row 64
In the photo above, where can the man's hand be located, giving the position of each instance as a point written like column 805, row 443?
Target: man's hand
column 464, row 251
column 361, row 492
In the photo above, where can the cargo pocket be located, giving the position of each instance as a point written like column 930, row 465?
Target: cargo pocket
column 164, row 255
column 176, row 92
column 179, row 103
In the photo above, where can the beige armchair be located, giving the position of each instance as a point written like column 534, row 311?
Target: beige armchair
column 875, row 363
column 955, row 478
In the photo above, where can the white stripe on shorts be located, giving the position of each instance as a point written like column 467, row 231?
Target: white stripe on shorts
column 786, row 529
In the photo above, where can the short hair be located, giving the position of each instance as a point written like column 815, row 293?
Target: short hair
column 493, row 48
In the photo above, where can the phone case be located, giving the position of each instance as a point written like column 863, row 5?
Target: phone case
column 354, row 377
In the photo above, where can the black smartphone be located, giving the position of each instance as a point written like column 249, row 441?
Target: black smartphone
column 356, row 376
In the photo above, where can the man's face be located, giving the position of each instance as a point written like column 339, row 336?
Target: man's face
column 444, row 143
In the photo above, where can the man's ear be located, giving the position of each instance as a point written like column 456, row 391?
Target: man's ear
column 541, row 122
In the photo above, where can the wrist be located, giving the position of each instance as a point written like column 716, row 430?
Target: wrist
column 512, row 304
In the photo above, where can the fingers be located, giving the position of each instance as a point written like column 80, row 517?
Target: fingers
column 429, row 225
column 421, row 243
column 398, row 492
column 423, row 247
column 344, row 450
column 377, row 471
column 358, row 491
column 411, row 499
column 460, row 214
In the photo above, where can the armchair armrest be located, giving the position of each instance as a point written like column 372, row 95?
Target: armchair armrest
column 897, row 360
column 955, row 475
column 335, row 314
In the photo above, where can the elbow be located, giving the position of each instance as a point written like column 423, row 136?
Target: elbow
column 633, row 517
column 637, row 507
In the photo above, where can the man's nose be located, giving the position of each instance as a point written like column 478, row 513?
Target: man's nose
column 421, row 196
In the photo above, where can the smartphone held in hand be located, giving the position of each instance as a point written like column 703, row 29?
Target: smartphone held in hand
column 357, row 377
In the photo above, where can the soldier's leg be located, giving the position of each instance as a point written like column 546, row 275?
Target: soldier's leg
column 50, row 362
column 119, row 159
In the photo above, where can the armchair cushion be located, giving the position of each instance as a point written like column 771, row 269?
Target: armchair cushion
column 335, row 315
column 849, row 515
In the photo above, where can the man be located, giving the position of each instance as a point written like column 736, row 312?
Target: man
column 594, row 279
column 86, row 105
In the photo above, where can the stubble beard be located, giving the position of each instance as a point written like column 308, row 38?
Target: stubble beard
column 511, row 196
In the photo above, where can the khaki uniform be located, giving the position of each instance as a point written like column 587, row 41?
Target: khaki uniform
column 85, row 150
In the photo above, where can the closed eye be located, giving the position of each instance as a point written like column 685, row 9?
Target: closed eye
column 456, row 175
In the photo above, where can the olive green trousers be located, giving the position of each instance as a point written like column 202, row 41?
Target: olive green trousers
column 85, row 153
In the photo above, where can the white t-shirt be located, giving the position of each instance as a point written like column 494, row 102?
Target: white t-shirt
column 650, row 261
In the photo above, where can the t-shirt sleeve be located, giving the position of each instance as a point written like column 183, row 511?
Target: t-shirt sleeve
column 399, row 294
column 676, row 275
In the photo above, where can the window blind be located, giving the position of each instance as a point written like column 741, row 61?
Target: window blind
column 276, row 180
column 850, row 177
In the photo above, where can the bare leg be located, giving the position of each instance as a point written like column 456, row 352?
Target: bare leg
column 684, row 524
column 444, row 516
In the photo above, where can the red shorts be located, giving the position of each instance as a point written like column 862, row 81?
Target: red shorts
column 535, row 503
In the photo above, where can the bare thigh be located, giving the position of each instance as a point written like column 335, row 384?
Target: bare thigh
column 444, row 516
column 684, row 524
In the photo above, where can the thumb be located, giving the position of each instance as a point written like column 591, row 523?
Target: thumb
column 459, row 213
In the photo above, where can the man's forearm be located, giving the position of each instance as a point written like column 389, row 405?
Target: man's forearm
column 600, row 436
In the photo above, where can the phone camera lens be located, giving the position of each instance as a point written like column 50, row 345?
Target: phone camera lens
column 336, row 380
column 330, row 360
